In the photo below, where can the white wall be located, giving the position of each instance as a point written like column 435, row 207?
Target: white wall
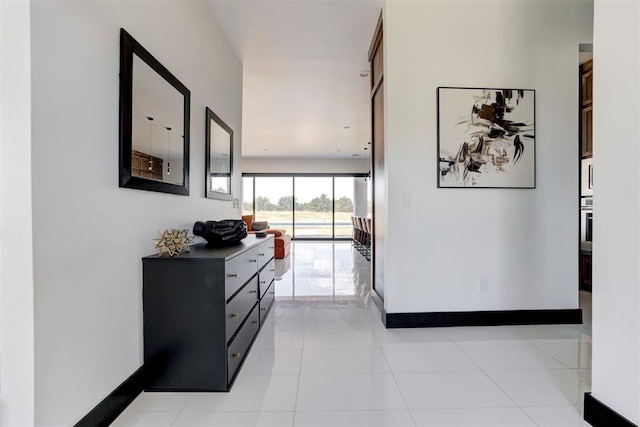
column 616, row 254
column 16, row 248
column 524, row 242
column 89, row 235
column 292, row 166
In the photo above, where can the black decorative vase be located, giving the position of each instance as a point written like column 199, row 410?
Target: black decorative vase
column 221, row 233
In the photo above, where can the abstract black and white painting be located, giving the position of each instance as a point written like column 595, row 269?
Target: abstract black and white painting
column 486, row 138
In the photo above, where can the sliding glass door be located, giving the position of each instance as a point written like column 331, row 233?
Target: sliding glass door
column 247, row 195
column 314, row 207
column 308, row 207
column 273, row 201
column 345, row 202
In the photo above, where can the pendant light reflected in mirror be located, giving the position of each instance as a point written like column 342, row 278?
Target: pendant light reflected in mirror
column 168, row 150
column 150, row 161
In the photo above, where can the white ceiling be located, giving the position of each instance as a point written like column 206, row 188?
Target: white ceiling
column 302, row 86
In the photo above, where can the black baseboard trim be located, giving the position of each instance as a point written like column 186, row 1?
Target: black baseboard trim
column 482, row 318
column 598, row 414
column 116, row 402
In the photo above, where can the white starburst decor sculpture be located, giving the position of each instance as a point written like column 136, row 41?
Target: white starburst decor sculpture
column 173, row 242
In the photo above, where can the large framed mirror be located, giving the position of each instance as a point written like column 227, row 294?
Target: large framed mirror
column 218, row 157
column 154, row 123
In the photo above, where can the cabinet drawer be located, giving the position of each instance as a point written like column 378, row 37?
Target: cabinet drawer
column 241, row 304
column 266, row 251
column 266, row 276
column 266, row 302
column 239, row 347
column 240, row 269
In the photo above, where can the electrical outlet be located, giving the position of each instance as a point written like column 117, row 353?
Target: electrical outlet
column 482, row 286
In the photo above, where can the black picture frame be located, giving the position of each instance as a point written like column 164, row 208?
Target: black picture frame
column 504, row 124
column 211, row 172
column 128, row 48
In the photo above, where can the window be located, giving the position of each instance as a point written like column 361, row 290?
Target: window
column 345, row 202
column 247, row 195
column 314, row 207
column 273, row 201
column 308, row 207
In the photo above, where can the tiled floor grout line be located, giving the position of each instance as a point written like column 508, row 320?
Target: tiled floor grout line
column 380, row 346
column 577, row 369
column 178, row 414
column 565, row 367
column 493, row 382
column 395, row 380
column 295, row 404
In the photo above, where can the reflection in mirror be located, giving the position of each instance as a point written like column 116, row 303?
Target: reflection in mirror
column 157, row 126
column 154, row 123
column 219, row 157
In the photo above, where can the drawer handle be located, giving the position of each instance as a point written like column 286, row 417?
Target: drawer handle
column 260, row 254
column 272, row 292
column 253, row 292
column 236, row 355
column 254, row 322
column 235, row 315
column 253, row 260
column 273, row 269
column 263, row 309
column 263, row 282
column 233, row 275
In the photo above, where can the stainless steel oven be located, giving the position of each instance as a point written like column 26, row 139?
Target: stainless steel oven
column 586, row 220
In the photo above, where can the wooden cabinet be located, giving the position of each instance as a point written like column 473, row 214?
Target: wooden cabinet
column 378, row 172
column 586, row 101
column 586, row 152
column 146, row 166
column 586, row 85
column 202, row 311
column 586, row 129
column 585, row 271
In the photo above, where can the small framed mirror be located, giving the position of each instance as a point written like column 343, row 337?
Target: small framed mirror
column 154, row 123
column 218, row 157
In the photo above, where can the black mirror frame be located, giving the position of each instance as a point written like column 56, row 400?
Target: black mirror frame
column 211, row 116
column 128, row 47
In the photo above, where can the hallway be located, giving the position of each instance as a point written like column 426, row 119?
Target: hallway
column 323, row 358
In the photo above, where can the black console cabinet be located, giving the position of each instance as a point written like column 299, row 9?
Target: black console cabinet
column 202, row 311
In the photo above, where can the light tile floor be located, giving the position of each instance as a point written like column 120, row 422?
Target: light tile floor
column 323, row 358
